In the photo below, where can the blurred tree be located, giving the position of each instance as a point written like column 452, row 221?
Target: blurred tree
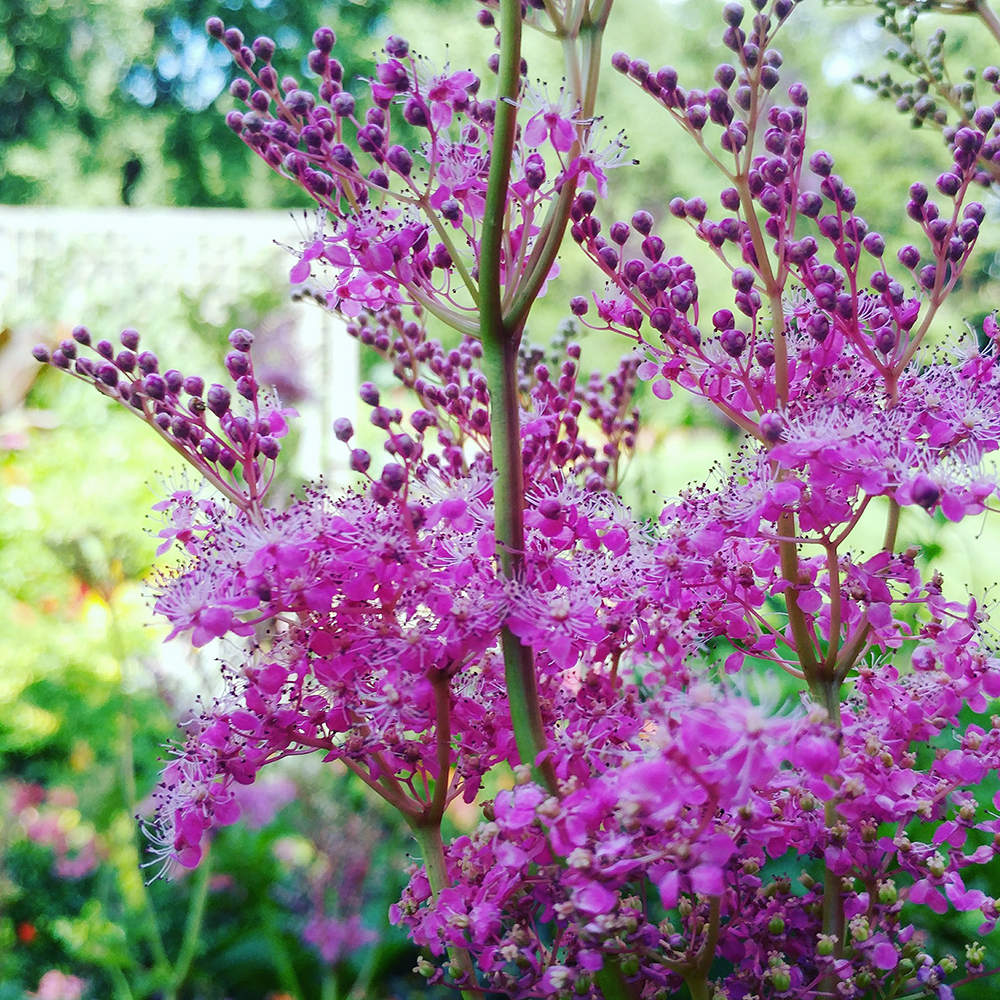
column 112, row 101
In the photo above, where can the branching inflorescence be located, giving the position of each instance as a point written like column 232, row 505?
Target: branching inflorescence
column 484, row 598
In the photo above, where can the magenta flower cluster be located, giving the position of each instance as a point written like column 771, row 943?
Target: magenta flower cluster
column 676, row 820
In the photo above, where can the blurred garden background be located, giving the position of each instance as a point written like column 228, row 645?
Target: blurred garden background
column 125, row 201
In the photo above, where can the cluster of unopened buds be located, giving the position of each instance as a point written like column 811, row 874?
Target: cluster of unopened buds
column 483, row 597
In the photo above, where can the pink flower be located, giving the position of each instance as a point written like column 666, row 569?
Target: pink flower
column 56, row 985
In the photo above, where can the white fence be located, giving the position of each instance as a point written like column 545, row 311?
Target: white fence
column 149, row 269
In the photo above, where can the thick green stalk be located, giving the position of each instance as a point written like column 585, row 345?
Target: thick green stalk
column 500, row 342
column 428, row 836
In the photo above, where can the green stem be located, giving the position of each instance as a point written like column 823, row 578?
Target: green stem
column 428, row 837
column 833, row 906
column 192, row 926
column 161, row 962
column 500, row 341
column 988, row 17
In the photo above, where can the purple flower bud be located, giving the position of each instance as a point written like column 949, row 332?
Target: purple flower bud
column 241, row 339
column 697, row 117
column 908, row 256
column 397, row 47
column 129, row 338
column 324, row 39
column 246, row 386
column 179, row 427
column 393, row 476
column 125, row 361
column 885, row 340
column 227, row 459
column 41, row 354
column 619, row 232
column 620, row 61
column 724, row 75
column 829, row 226
column 237, row 364
column 194, row 385
column 772, row 427
column 927, row 277
column 733, row 342
column 451, row 210
column 968, row 229
column 638, row 69
column 974, row 211
column 918, row 193
column 415, row 113
column 218, row 399
column 440, row 257
column 826, row 296
column 215, row 27
column 653, row 247
column 148, row 362
column 240, row 89
column 369, row 394
column 743, row 279
column 666, row 78
column 696, row 208
column 343, row 104
column 764, row 353
column 925, row 491
column 677, row 209
column 399, row 158
column 798, row 95
column 723, row 320
column 317, row 61
column 661, row 319
column 585, row 203
column 578, row 305
column 360, row 460
column 268, row 446
column 874, row 244
column 264, row 47
column 154, row 386
column 642, row 222
column 984, row 119
column 818, row 327
column 209, row 448
column 809, row 204
column 821, row 163
column 104, row 348
column 233, row 39
column 534, row 171
column 948, row 184
column 732, row 14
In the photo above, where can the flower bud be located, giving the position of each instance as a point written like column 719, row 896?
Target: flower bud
column 772, row 427
column 218, row 399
